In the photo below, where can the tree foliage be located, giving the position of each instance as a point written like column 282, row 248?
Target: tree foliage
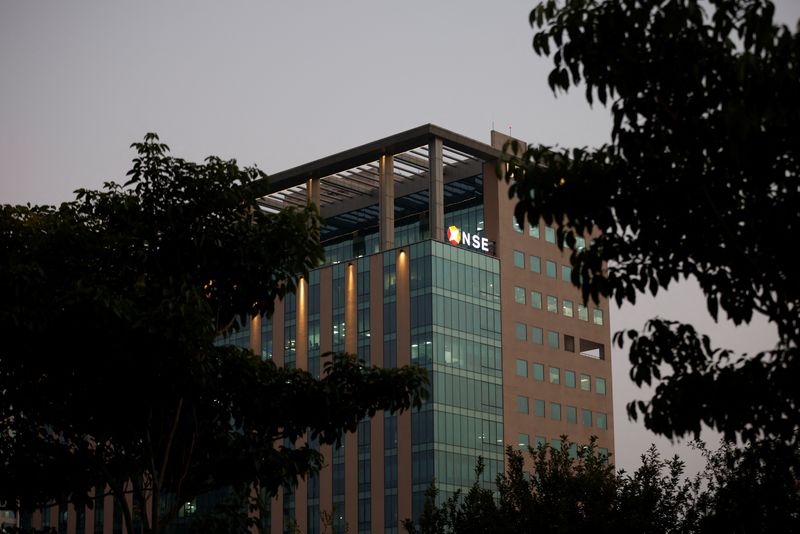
column 560, row 491
column 700, row 180
column 110, row 370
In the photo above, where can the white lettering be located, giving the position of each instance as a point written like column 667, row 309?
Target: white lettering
column 466, row 238
column 485, row 244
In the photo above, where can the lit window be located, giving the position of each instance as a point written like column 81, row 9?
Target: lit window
column 580, row 243
column 550, row 268
column 566, row 273
column 566, row 308
column 583, row 313
column 521, row 331
column 536, row 300
column 538, row 407
column 600, row 385
column 538, row 371
column 549, row 234
column 586, row 382
column 569, row 379
column 601, row 421
column 523, row 440
column 533, row 231
column 537, row 335
column 519, row 295
column 555, row 411
column 552, row 339
column 572, row 415
column 586, row 417
column 555, row 375
column 552, row 304
column 536, row 264
column 597, row 316
column 515, row 224
column 522, row 368
column 519, row 259
column 522, row 404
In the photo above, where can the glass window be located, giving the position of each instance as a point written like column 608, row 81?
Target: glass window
column 566, row 273
column 538, row 371
column 569, row 378
column 541, row 441
column 572, row 415
column 555, row 411
column 600, row 420
column 602, row 453
column 536, row 300
column 515, row 225
column 522, row 368
column 521, row 331
column 549, row 234
column 522, row 404
column 552, row 339
column 523, row 440
column 552, row 304
column 586, row 417
column 586, row 382
column 569, row 343
column 580, row 243
column 555, row 375
column 555, row 443
column 566, row 308
column 519, row 259
column 519, row 295
column 536, row 264
column 533, row 230
column 583, row 313
column 550, row 268
column 597, row 316
column 538, row 407
column 537, row 335
column 600, row 385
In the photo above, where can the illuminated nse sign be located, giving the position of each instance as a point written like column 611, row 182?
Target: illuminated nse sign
column 457, row 237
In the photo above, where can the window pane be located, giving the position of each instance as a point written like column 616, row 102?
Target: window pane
column 519, row 295
column 522, row 368
column 538, row 371
column 586, row 382
column 536, row 300
column 519, row 259
column 523, row 440
column 600, row 385
column 555, row 443
column 522, row 404
column 569, row 343
column 555, row 375
column 541, row 441
column 551, row 268
column 600, row 420
column 533, row 231
column 552, row 339
column 586, row 417
column 583, row 313
column 572, row 415
column 537, row 335
column 552, row 304
column 555, row 411
column 549, row 234
column 521, row 331
column 569, row 379
column 515, row 224
column 597, row 316
column 536, row 264
column 566, row 273
column 538, row 407
column 566, row 308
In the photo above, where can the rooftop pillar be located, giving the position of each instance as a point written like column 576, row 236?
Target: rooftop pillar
column 436, row 197
column 386, row 170
column 312, row 192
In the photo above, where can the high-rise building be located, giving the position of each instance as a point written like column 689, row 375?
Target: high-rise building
column 426, row 265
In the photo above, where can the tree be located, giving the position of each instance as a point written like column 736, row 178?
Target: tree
column 700, row 179
column 110, row 372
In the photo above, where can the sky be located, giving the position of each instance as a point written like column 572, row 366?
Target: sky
column 277, row 84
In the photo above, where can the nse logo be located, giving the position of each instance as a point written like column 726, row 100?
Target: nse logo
column 457, row 237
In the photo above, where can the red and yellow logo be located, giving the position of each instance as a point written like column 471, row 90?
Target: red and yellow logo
column 454, row 235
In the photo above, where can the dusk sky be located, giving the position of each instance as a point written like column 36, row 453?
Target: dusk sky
column 278, row 84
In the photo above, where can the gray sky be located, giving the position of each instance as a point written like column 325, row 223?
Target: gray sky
column 277, row 84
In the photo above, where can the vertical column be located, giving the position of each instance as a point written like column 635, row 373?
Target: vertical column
column 301, row 362
column 386, row 170
column 325, row 344
column 351, row 438
column 376, row 349
column 255, row 335
column 312, row 191
column 404, row 466
column 436, row 206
